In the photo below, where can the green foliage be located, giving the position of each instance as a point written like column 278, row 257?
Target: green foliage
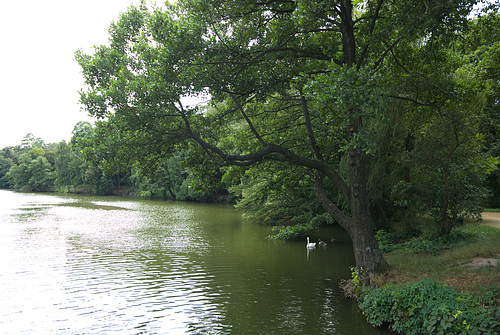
column 81, row 131
column 483, row 50
column 279, row 195
column 293, row 232
column 426, row 243
column 41, row 175
column 99, row 182
column 40, row 168
column 443, row 154
column 356, row 91
column 203, row 178
column 62, row 166
column 18, row 173
column 431, row 153
column 92, row 162
column 427, row 307
column 30, row 142
column 33, row 172
column 5, row 165
column 177, row 178
column 301, row 226
column 103, row 148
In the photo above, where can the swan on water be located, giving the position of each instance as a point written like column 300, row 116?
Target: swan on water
column 322, row 243
column 310, row 245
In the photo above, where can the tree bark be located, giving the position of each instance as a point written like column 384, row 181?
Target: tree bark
column 445, row 224
column 368, row 256
column 347, row 29
column 172, row 194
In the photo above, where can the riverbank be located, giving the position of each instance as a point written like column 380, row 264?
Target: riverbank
column 472, row 267
column 129, row 192
column 452, row 291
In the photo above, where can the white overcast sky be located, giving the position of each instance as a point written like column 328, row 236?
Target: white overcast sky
column 39, row 77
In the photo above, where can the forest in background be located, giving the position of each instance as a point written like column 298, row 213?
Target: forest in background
column 74, row 167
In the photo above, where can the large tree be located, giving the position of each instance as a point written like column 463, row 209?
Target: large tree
column 298, row 82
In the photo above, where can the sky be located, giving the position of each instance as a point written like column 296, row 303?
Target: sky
column 39, row 76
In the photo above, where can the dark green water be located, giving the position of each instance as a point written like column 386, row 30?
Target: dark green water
column 101, row 265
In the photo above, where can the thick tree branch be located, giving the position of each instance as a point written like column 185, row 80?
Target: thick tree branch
column 338, row 215
column 276, row 153
column 310, row 132
column 247, row 119
column 378, row 63
column 347, row 28
column 426, row 104
column 372, row 27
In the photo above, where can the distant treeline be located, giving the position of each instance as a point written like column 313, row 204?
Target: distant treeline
column 36, row 166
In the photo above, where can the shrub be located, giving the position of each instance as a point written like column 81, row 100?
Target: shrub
column 301, row 225
column 427, row 307
column 429, row 243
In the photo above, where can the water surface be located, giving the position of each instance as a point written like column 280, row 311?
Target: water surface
column 107, row 265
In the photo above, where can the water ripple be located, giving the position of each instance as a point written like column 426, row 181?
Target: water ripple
column 158, row 268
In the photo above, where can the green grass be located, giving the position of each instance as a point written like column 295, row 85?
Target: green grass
column 450, row 265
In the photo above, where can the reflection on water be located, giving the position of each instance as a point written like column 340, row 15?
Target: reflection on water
column 94, row 265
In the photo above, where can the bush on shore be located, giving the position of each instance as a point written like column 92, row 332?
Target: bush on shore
column 428, row 307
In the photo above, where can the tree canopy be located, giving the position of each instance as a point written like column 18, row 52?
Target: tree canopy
column 297, row 83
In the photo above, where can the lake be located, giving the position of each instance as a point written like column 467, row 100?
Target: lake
column 75, row 264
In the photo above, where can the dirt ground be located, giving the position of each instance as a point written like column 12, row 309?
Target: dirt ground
column 478, row 262
column 491, row 219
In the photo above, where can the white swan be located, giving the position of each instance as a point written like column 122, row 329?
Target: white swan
column 310, row 245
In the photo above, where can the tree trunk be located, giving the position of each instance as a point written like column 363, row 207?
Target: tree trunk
column 369, row 258
column 445, row 223
column 368, row 255
column 172, row 194
column 444, row 220
column 347, row 29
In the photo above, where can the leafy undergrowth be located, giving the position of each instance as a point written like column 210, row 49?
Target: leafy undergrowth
column 428, row 307
column 302, row 225
column 427, row 243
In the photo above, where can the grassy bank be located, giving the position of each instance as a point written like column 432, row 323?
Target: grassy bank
column 472, row 267
column 439, row 285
